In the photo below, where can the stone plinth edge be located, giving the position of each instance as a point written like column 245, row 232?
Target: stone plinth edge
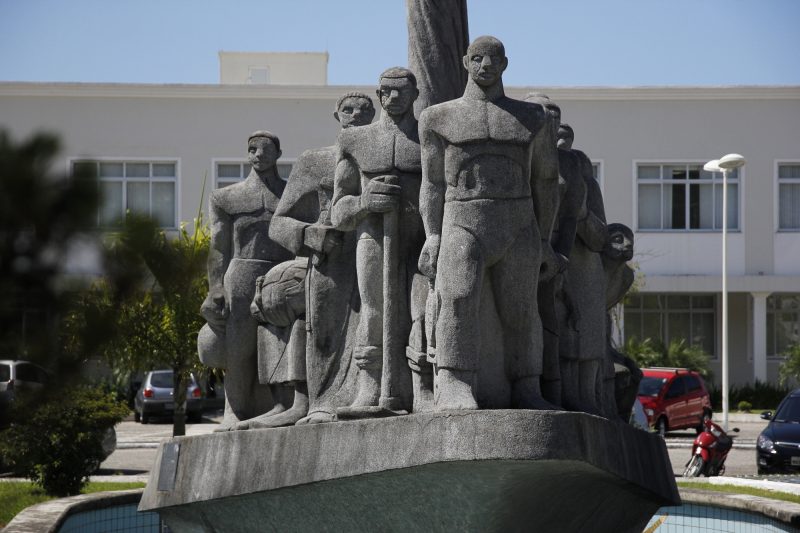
column 222, row 465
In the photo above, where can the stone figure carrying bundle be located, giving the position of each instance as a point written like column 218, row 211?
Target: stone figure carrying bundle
column 302, row 224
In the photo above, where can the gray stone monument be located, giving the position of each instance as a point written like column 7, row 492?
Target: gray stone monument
column 241, row 251
column 488, row 200
column 413, row 249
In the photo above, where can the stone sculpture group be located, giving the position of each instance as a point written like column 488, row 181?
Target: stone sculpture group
column 462, row 262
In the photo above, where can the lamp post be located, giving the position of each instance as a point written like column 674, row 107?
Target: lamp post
column 725, row 165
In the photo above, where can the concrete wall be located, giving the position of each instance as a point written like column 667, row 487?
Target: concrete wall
column 283, row 68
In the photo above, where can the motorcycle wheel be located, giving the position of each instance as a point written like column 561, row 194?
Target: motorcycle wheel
column 695, row 467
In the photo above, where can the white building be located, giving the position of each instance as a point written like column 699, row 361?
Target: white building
column 155, row 145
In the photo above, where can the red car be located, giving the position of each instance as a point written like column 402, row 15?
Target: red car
column 674, row 398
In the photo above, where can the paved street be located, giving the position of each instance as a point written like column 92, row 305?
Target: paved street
column 137, row 443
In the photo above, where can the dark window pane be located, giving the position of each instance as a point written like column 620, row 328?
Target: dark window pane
column 162, row 380
column 5, row 373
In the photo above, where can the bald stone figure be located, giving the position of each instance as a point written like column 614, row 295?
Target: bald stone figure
column 240, row 252
column 488, row 201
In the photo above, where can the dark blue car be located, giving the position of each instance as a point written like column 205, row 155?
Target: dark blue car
column 778, row 446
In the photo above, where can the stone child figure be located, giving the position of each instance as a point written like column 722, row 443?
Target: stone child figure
column 488, row 201
column 619, row 279
column 302, row 224
column 241, row 251
column 376, row 192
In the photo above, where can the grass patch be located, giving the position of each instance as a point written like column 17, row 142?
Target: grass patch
column 17, row 495
column 737, row 489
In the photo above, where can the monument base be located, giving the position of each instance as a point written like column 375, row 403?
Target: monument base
column 500, row 470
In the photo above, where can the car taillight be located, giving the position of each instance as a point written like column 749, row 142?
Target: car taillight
column 148, row 393
column 196, row 392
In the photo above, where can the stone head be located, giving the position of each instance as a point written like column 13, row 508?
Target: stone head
column 552, row 109
column 397, row 90
column 619, row 246
column 354, row 109
column 566, row 136
column 486, row 60
column 263, row 150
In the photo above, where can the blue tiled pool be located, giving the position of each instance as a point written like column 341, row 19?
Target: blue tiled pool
column 690, row 518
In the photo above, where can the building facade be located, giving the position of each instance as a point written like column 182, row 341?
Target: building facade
column 157, row 147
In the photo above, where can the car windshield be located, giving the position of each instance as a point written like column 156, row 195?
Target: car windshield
column 651, row 386
column 162, row 380
column 5, row 373
column 789, row 411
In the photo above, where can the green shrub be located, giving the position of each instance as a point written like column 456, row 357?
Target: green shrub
column 744, row 406
column 759, row 395
column 56, row 440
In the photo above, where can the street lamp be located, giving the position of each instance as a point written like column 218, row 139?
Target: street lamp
column 725, row 165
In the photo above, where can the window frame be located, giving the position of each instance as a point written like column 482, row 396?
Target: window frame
column 771, row 351
column 176, row 180
column 216, row 161
column 667, row 311
column 777, row 201
column 636, row 182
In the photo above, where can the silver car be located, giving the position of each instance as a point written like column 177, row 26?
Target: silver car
column 154, row 398
column 18, row 375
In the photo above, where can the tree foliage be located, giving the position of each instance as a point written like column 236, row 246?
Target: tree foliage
column 789, row 370
column 42, row 214
column 155, row 325
column 678, row 354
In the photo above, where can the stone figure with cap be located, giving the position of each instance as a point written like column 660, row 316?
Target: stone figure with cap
column 376, row 194
column 488, row 201
column 241, row 251
column 309, row 307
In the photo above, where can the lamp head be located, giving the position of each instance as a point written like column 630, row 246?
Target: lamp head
column 731, row 161
column 712, row 166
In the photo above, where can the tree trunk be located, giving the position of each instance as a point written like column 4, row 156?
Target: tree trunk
column 179, row 395
column 438, row 37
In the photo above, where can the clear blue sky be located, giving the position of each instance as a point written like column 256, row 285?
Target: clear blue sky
column 554, row 42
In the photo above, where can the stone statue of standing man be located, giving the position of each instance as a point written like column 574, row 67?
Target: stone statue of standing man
column 241, row 251
column 488, row 201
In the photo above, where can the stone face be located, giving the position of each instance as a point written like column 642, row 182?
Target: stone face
column 461, row 469
column 488, row 201
column 241, row 251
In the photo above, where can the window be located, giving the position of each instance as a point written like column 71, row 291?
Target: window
column 231, row 171
column 677, row 388
column 789, row 196
column 146, row 187
column 667, row 317
column 684, row 197
column 258, row 75
column 783, row 323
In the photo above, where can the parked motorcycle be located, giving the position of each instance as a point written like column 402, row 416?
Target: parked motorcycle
column 709, row 451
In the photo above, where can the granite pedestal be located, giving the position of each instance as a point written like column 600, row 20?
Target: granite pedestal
column 489, row 470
